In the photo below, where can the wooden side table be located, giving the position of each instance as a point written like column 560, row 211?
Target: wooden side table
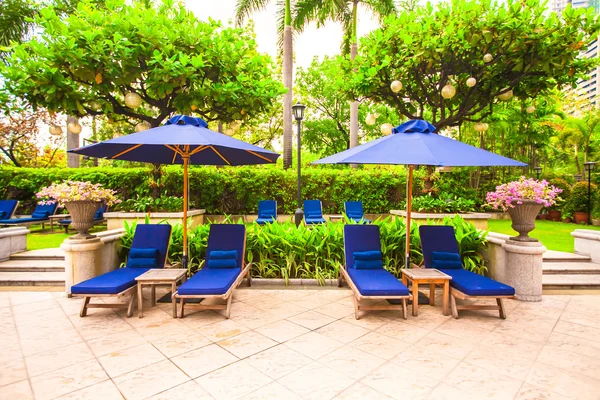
column 432, row 277
column 159, row 276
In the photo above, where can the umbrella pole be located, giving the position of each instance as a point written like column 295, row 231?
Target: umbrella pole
column 409, row 185
column 184, row 258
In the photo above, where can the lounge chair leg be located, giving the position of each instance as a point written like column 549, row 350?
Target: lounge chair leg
column 130, row 306
column 181, row 307
column 340, row 280
column 501, row 308
column 228, row 309
column 249, row 277
column 356, row 310
column 84, row 304
column 453, row 306
column 404, row 309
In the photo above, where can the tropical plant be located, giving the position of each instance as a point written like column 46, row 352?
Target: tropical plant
column 15, row 22
column 565, row 193
column 443, row 203
column 148, row 203
column 68, row 191
column 578, row 200
column 510, row 194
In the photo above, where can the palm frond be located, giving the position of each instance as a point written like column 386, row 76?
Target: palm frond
column 244, row 8
column 15, row 20
column 381, row 8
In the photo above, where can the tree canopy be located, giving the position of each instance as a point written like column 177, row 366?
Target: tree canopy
column 513, row 47
column 86, row 62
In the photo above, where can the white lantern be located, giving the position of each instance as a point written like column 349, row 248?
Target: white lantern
column 530, row 109
column 370, row 120
column 396, row 86
column 506, row 95
column 229, row 132
column 133, row 100
column 95, row 105
column 471, row 82
column 488, row 58
column 55, row 130
column 448, row 91
column 386, row 129
column 143, row 126
column 480, row 127
column 74, row 128
column 235, row 125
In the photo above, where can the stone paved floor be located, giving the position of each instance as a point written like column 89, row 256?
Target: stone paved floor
column 298, row 344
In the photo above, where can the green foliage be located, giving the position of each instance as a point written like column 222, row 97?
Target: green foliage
column 578, row 201
column 532, row 52
column 564, row 195
column 84, row 63
column 443, row 203
column 150, row 204
column 282, row 250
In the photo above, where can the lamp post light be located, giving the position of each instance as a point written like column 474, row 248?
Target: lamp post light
column 589, row 167
column 537, row 170
column 298, row 110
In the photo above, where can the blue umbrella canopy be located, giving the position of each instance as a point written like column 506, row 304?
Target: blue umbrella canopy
column 181, row 135
column 415, row 143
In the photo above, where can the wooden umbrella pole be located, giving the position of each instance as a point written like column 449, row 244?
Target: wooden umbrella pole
column 409, row 185
column 186, row 159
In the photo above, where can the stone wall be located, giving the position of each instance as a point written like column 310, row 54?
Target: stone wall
column 12, row 240
column 587, row 243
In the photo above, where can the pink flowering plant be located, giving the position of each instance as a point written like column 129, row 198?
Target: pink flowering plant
column 68, row 191
column 508, row 195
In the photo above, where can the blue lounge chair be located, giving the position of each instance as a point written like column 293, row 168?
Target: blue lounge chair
column 364, row 272
column 224, row 269
column 149, row 249
column 98, row 218
column 440, row 251
column 8, row 208
column 354, row 211
column 40, row 215
column 313, row 212
column 267, row 212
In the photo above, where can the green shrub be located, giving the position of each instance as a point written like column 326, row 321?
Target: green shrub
column 578, row 200
column 444, row 203
column 283, row 250
column 564, row 195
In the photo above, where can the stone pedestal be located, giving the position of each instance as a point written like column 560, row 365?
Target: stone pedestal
column 523, row 268
column 83, row 260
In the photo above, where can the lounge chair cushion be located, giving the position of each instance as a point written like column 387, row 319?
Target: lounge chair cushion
column 368, row 264
column 40, row 215
column 210, row 281
column 473, row 284
column 443, row 260
column 110, row 283
column 319, row 220
column 3, row 214
column 17, row 221
column 367, row 255
column 142, row 257
column 377, row 282
column 355, row 216
column 222, row 259
column 149, row 252
column 262, row 221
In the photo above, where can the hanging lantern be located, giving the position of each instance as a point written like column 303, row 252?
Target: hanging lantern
column 95, row 105
column 386, row 129
column 488, row 58
column 448, row 91
column 396, row 86
column 229, row 132
column 235, row 125
column 506, row 95
column 480, row 127
column 471, row 82
column 530, row 109
column 143, row 126
column 370, row 120
column 133, row 100
column 55, row 130
column 74, row 128
column 193, row 107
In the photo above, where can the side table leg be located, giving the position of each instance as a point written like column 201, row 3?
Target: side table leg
column 432, row 294
column 446, row 297
column 140, row 301
column 173, row 299
column 415, row 301
column 153, row 296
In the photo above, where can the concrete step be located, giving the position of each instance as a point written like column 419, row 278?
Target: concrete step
column 42, row 254
column 32, row 266
column 571, row 282
column 561, row 256
column 570, row 268
column 32, row 279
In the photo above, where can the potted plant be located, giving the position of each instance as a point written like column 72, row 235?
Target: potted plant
column 577, row 203
column 523, row 199
column 81, row 199
column 567, row 216
column 555, row 210
column 596, row 217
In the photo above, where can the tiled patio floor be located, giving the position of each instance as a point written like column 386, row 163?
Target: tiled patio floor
column 298, row 344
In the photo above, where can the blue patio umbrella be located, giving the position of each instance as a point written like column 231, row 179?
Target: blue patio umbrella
column 182, row 140
column 416, row 143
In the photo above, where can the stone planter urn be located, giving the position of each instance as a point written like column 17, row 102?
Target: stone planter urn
column 523, row 219
column 82, row 216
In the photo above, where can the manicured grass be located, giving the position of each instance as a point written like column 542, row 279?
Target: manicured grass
column 44, row 239
column 554, row 235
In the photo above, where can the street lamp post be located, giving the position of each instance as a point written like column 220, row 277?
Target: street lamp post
column 298, row 110
column 589, row 167
column 538, row 171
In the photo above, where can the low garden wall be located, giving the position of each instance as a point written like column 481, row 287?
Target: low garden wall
column 587, row 243
column 12, row 240
column 116, row 220
column 480, row 220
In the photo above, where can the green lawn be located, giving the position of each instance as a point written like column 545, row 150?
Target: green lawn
column 44, row 239
column 554, row 235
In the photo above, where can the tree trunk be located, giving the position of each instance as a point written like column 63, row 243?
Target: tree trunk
column 287, row 100
column 577, row 159
column 72, row 143
column 354, row 104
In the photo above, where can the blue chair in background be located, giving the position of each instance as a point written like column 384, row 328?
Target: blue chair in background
column 8, row 208
column 223, row 270
column 40, row 215
column 354, row 211
column 98, row 218
column 313, row 212
column 267, row 212
column 364, row 272
column 149, row 249
column 440, row 251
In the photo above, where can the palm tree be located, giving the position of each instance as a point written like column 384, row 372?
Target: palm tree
column 242, row 11
column 345, row 12
column 14, row 22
